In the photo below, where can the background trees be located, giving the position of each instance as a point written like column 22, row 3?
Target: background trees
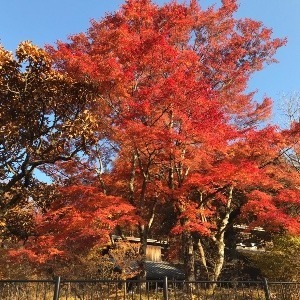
column 173, row 133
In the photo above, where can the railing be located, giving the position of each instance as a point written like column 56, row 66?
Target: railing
column 149, row 289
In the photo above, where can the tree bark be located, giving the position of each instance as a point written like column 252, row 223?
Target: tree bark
column 202, row 257
column 189, row 256
column 219, row 238
column 143, row 231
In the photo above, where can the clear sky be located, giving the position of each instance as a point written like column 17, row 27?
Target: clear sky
column 43, row 22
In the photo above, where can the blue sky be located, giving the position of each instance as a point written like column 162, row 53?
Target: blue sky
column 43, row 22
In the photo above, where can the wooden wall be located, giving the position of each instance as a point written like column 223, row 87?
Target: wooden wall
column 153, row 253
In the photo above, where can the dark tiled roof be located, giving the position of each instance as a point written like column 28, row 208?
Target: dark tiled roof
column 160, row 270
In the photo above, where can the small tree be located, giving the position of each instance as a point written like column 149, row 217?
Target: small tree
column 77, row 224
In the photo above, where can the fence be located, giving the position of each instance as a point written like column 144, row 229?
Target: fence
column 150, row 289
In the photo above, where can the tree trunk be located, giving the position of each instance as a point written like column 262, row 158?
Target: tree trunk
column 189, row 256
column 143, row 230
column 219, row 238
column 220, row 259
column 202, row 257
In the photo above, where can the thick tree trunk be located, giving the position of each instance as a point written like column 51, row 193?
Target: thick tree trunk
column 220, row 259
column 189, row 256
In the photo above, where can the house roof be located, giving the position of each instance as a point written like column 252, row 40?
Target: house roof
column 137, row 239
column 160, row 270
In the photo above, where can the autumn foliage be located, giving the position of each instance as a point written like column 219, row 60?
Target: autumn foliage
column 80, row 219
column 43, row 120
column 177, row 146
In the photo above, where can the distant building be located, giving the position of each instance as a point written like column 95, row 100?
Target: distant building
column 155, row 267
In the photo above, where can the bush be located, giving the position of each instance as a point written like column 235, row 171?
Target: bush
column 281, row 260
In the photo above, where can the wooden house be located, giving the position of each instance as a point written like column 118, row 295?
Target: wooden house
column 155, row 267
